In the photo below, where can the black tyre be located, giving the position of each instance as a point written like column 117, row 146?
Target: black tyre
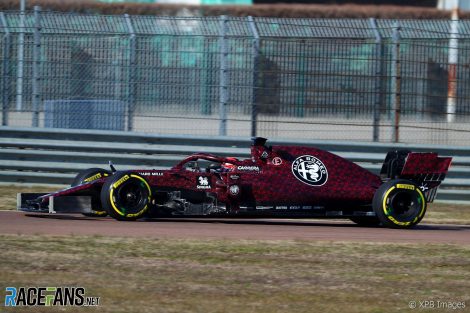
column 87, row 176
column 399, row 203
column 126, row 196
column 366, row 221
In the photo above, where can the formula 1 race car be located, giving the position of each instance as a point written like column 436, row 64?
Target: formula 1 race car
column 277, row 181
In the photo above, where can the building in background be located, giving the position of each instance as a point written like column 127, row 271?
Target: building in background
column 463, row 5
column 414, row 3
column 134, row 1
column 195, row 2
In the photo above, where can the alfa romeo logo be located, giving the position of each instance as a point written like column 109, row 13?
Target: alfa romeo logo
column 310, row 170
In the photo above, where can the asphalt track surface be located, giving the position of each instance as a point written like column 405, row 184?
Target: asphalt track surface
column 13, row 222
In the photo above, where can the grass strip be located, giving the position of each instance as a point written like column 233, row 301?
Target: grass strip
column 143, row 275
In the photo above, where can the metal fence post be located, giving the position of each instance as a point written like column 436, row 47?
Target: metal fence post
column 20, row 57
column 36, row 65
column 256, row 53
column 396, row 83
column 452, row 69
column 132, row 73
column 6, row 69
column 300, row 94
column 378, row 80
column 205, row 80
column 223, row 89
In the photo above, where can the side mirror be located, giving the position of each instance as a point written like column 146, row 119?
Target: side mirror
column 113, row 169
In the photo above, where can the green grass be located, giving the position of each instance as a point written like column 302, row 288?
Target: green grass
column 446, row 213
column 151, row 275
column 146, row 275
column 437, row 213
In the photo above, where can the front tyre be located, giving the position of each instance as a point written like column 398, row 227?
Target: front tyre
column 87, row 176
column 126, row 196
column 399, row 203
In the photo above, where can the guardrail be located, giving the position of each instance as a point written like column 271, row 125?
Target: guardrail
column 54, row 156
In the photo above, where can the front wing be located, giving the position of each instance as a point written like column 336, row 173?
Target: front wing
column 32, row 202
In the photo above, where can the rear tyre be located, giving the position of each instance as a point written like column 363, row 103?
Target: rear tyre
column 399, row 203
column 366, row 221
column 126, row 196
column 88, row 176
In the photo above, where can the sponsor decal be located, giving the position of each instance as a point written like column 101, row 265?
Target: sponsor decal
column 310, row 170
column 234, row 177
column 234, row 190
column 264, row 155
column 92, row 178
column 203, row 182
column 276, row 161
column 48, row 296
column 151, row 173
column 120, row 181
column 286, row 207
column 406, row 186
column 248, row 168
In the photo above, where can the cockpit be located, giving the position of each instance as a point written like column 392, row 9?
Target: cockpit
column 209, row 163
column 205, row 163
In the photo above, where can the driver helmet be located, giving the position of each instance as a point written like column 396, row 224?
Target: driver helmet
column 227, row 166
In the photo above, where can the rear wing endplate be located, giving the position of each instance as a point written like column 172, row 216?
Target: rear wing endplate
column 426, row 169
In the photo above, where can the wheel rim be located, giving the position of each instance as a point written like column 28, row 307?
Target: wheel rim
column 131, row 197
column 404, row 206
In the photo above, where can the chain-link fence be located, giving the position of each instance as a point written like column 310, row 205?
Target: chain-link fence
column 346, row 79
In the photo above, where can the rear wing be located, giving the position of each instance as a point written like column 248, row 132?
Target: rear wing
column 426, row 169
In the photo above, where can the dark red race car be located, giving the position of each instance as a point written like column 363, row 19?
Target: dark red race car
column 277, row 181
